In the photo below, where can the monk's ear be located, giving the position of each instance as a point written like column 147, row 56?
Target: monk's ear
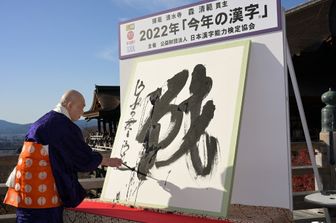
column 69, row 105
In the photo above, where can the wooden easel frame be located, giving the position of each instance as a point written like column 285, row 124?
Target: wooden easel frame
column 304, row 123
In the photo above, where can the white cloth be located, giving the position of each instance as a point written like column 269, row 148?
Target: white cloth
column 60, row 109
column 11, row 179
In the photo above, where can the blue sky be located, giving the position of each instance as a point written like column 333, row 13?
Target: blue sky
column 50, row 46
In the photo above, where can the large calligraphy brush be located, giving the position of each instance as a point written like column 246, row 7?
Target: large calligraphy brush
column 137, row 171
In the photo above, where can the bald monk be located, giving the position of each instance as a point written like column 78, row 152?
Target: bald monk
column 53, row 153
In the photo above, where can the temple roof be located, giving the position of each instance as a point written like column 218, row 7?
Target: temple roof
column 311, row 38
column 307, row 25
column 105, row 98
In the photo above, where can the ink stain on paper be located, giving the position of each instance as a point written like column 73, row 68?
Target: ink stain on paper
column 200, row 118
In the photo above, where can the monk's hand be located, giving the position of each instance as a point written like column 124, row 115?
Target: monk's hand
column 115, row 162
column 112, row 162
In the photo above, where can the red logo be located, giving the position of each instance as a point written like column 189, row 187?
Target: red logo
column 130, row 35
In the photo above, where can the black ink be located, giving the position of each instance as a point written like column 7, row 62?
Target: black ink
column 138, row 89
column 161, row 105
column 149, row 132
column 128, row 125
column 199, row 88
column 124, row 148
column 165, row 183
column 117, row 198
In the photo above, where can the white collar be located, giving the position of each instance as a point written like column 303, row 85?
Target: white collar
column 60, row 109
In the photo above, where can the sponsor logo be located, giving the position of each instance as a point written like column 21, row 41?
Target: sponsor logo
column 130, row 35
column 130, row 27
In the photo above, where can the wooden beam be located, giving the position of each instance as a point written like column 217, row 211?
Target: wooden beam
column 8, row 218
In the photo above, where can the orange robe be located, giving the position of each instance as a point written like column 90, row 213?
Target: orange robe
column 34, row 185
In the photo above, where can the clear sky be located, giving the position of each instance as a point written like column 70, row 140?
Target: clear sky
column 50, row 46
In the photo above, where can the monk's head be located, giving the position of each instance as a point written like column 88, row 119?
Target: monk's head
column 74, row 102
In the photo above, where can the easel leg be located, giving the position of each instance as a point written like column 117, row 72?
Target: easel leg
column 304, row 124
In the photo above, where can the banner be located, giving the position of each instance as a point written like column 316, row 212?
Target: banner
column 197, row 24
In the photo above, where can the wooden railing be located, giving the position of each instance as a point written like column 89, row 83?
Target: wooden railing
column 308, row 212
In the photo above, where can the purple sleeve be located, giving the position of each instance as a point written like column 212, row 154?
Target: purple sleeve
column 65, row 140
column 81, row 155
